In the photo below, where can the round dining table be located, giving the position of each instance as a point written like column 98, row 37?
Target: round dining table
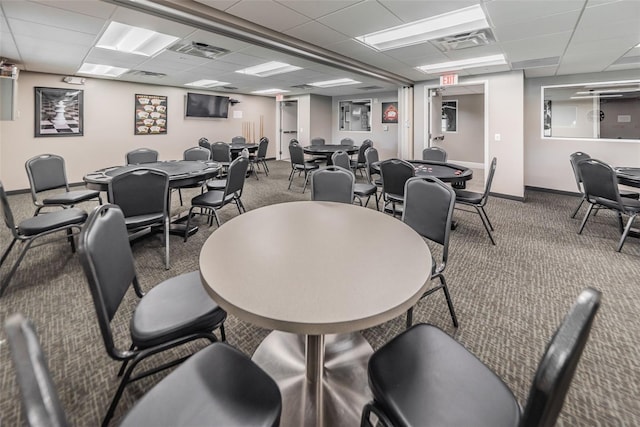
column 327, row 150
column 309, row 270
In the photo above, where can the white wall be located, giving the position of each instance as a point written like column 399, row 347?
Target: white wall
column 109, row 127
column 467, row 144
column 320, row 123
column 547, row 160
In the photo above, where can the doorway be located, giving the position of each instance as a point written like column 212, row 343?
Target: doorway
column 288, row 126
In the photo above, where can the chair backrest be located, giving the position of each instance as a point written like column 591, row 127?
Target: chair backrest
column 196, row 153
column 40, row 403
column 435, row 154
column 46, row 172
column 395, row 173
column 558, row 364
column 293, row 141
column 341, row 158
column 296, row 153
column 599, row 180
column 220, row 152
column 487, row 188
column 371, row 157
column 317, row 141
column 574, row 159
column 142, row 155
column 139, row 191
column 366, row 144
column 428, row 209
column 347, row 141
column 204, row 142
column 262, row 148
column 238, row 140
column 236, row 176
column 332, row 184
column 6, row 212
column 107, row 261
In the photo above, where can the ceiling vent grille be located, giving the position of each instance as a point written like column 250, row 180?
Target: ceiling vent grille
column 535, row 63
column 227, row 87
column 201, row 50
column 142, row 73
column 371, row 88
column 465, row 40
column 303, row 87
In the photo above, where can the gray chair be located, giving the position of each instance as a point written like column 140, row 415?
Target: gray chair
column 260, row 158
column 238, row 140
column 479, row 200
column 221, row 153
column 373, row 175
column 47, row 172
column 428, row 209
column 424, row 377
column 600, row 185
column 204, row 143
column 361, row 190
column 360, row 163
column 142, row 195
column 193, row 154
column 317, row 141
column 435, row 154
column 141, row 156
column 299, row 164
column 33, row 228
column 347, row 141
column 394, row 174
column 212, row 200
column 332, row 184
column 174, row 312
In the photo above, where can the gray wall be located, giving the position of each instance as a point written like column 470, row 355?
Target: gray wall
column 467, row 144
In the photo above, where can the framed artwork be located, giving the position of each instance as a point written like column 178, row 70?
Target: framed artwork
column 58, row 112
column 151, row 115
column 450, row 116
column 389, row 112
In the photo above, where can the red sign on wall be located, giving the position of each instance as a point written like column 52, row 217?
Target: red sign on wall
column 448, row 80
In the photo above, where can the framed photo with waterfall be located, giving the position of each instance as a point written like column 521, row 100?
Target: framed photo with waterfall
column 58, row 112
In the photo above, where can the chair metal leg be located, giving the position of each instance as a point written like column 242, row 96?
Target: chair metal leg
column 306, row 180
column 409, row 317
column 7, row 279
column 290, row 178
column 575, row 212
column 447, row 295
column 370, row 408
column 484, row 222
column 180, row 195
column 586, row 217
column 487, row 218
column 626, row 232
column 186, row 230
column 166, row 243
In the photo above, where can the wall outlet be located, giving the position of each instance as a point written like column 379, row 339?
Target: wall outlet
column 497, row 137
column 385, row 128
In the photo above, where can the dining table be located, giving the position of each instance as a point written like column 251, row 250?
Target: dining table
column 327, row 150
column 315, row 274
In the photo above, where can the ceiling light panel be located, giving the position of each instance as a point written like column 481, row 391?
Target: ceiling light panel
column 269, row 69
column 484, row 61
column 459, row 21
column 206, row 83
column 336, row 82
column 269, row 91
column 136, row 40
column 101, row 70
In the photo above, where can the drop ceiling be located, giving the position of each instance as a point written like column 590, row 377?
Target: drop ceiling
column 541, row 37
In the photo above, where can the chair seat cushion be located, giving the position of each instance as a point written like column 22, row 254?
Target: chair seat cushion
column 425, row 378
column 172, row 309
column 631, row 205
column 364, row 189
column 629, row 194
column 212, row 198
column 146, row 220
column 306, row 166
column 217, row 386
column 464, row 196
column 51, row 221
column 71, row 197
column 216, row 184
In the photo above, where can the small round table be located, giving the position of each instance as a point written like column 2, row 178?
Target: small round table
column 316, row 268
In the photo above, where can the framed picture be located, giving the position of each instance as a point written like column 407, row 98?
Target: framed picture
column 389, row 112
column 151, row 115
column 450, row 116
column 58, row 112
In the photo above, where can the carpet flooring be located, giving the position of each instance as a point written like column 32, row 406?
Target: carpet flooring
column 509, row 299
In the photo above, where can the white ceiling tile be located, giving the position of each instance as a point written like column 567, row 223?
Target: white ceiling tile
column 540, row 72
column 111, row 57
column 626, row 10
column 268, row 14
column 362, row 18
column 411, row 10
column 536, row 47
column 216, row 40
column 535, row 27
column 96, row 8
column 316, row 9
column 426, row 50
column 316, row 33
column 219, row 4
column 150, row 22
column 507, row 12
column 54, row 34
column 51, row 16
column 241, row 59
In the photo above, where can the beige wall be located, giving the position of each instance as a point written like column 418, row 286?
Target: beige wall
column 320, row 123
column 467, row 144
column 108, row 127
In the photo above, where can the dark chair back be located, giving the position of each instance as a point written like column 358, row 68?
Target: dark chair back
column 487, row 188
column 600, row 181
column 46, row 172
column 7, row 213
column 140, row 191
column 107, row 261
column 296, row 153
column 371, row 157
column 435, row 154
column 332, row 184
column 574, row 159
column 317, row 141
column 238, row 140
column 40, row 403
column 558, row 364
column 341, row 158
column 196, row 153
column 262, row 148
column 395, row 173
column 142, row 155
column 347, row 141
column 293, row 141
column 366, row 144
column 220, row 152
column 204, row 143
column 236, row 176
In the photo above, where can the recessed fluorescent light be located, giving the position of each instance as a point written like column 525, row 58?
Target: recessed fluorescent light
column 206, row 83
column 129, row 39
column 269, row 91
column 269, row 69
column 101, row 70
column 596, row 96
column 337, row 82
column 484, row 61
column 459, row 21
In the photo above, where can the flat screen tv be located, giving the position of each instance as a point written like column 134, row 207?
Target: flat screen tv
column 201, row 105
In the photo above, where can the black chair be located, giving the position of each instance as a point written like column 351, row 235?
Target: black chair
column 423, row 377
column 360, row 163
column 47, row 172
column 221, row 153
column 479, row 200
column 394, row 173
column 299, row 164
column 373, row 175
column 332, row 184
column 212, row 200
column 172, row 313
column 428, row 209
column 204, row 143
column 317, row 141
column 435, row 154
column 141, row 156
column 600, row 185
column 31, row 229
column 200, row 154
column 260, row 158
column 238, row 140
column 360, row 189
column 347, row 141
column 574, row 159
column 142, row 195
column 218, row 385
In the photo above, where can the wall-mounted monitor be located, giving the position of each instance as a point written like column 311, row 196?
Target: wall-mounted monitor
column 210, row 106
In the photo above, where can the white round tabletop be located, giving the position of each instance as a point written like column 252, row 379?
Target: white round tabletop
column 315, row 267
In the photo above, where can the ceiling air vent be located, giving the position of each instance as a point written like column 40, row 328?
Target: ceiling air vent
column 227, row 87
column 465, row 40
column 371, row 88
column 303, row 87
column 535, row 63
column 202, row 50
column 142, row 73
